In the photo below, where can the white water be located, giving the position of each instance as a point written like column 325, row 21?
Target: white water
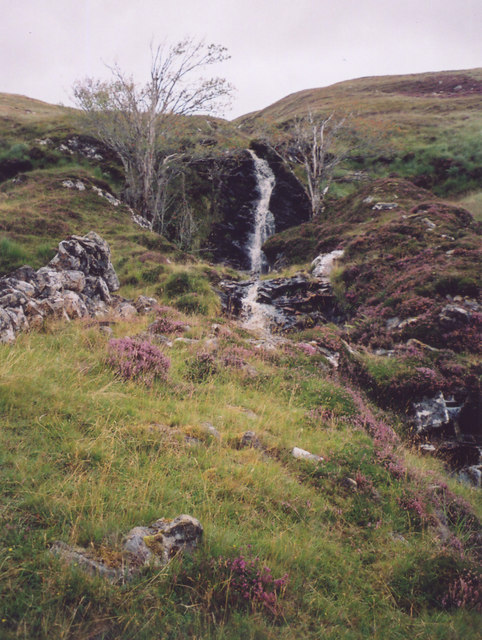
column 258, row 316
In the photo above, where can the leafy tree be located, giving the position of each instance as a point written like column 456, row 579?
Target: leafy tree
column 141, row 123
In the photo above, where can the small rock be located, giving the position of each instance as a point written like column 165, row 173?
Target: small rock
column 211, row 429
column 323, row 264
column 126, row 310
column 250, row 439
column 452, row 315
column 186, row 340
column 301, row 454
column 393, row 323
column 384, row 206
column 108, row 196
column 431, row 413
column 408, row 322
column 74, row 184
column 144, row 304
column 350, row 483
column 429, row 223
column 398, row 537
column 472, row 475
column 427, row 449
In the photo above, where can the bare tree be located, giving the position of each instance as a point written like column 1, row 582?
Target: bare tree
column 141, row 123
column 314, row 142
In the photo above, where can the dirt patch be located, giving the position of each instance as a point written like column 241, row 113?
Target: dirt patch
column 446, row 86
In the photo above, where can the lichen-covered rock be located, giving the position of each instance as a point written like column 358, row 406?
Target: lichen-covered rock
column 7, row 330
column 77, row 282
column 153, row 545
column 162, row 540
column 78, row 557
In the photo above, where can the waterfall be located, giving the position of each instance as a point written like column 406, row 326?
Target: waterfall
column 257, row 316
column 264, row 225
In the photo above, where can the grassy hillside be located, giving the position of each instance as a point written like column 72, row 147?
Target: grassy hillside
column 374, row 541
column 425, row 127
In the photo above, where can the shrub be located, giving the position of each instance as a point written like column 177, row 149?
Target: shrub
column 422, row 581
column 152, row 275
column 192, row 303
column 137, row 360
column 184, row 282
column 192, row 293
column 201, row 366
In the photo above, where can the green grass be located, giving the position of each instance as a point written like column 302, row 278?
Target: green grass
column 86, row 456
column 473, row 203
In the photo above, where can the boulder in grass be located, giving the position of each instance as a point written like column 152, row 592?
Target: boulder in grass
column 301, row 454
column 153, row 545
column 162, row 540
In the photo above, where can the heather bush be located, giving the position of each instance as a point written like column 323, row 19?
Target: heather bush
column 137, row 360
column 465, row 592
column 413, row 504
column 307, row 349
column 164, row 325
column 232, row 360
column 223, row 585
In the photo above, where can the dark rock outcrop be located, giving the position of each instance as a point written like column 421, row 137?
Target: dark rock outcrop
column 298, row 301
column 235, row 199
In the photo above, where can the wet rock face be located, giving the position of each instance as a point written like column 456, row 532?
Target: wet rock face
column 439, row 418
column 77, row 282
column 229, row 237
column 289, row 202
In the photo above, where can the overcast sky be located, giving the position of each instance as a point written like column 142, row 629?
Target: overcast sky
column 277, row 46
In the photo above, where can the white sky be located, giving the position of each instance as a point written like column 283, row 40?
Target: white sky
column 277, row 46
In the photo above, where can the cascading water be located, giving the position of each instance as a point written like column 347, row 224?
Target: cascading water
column 256, row 315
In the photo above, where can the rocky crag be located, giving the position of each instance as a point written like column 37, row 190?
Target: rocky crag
column 78, row 282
